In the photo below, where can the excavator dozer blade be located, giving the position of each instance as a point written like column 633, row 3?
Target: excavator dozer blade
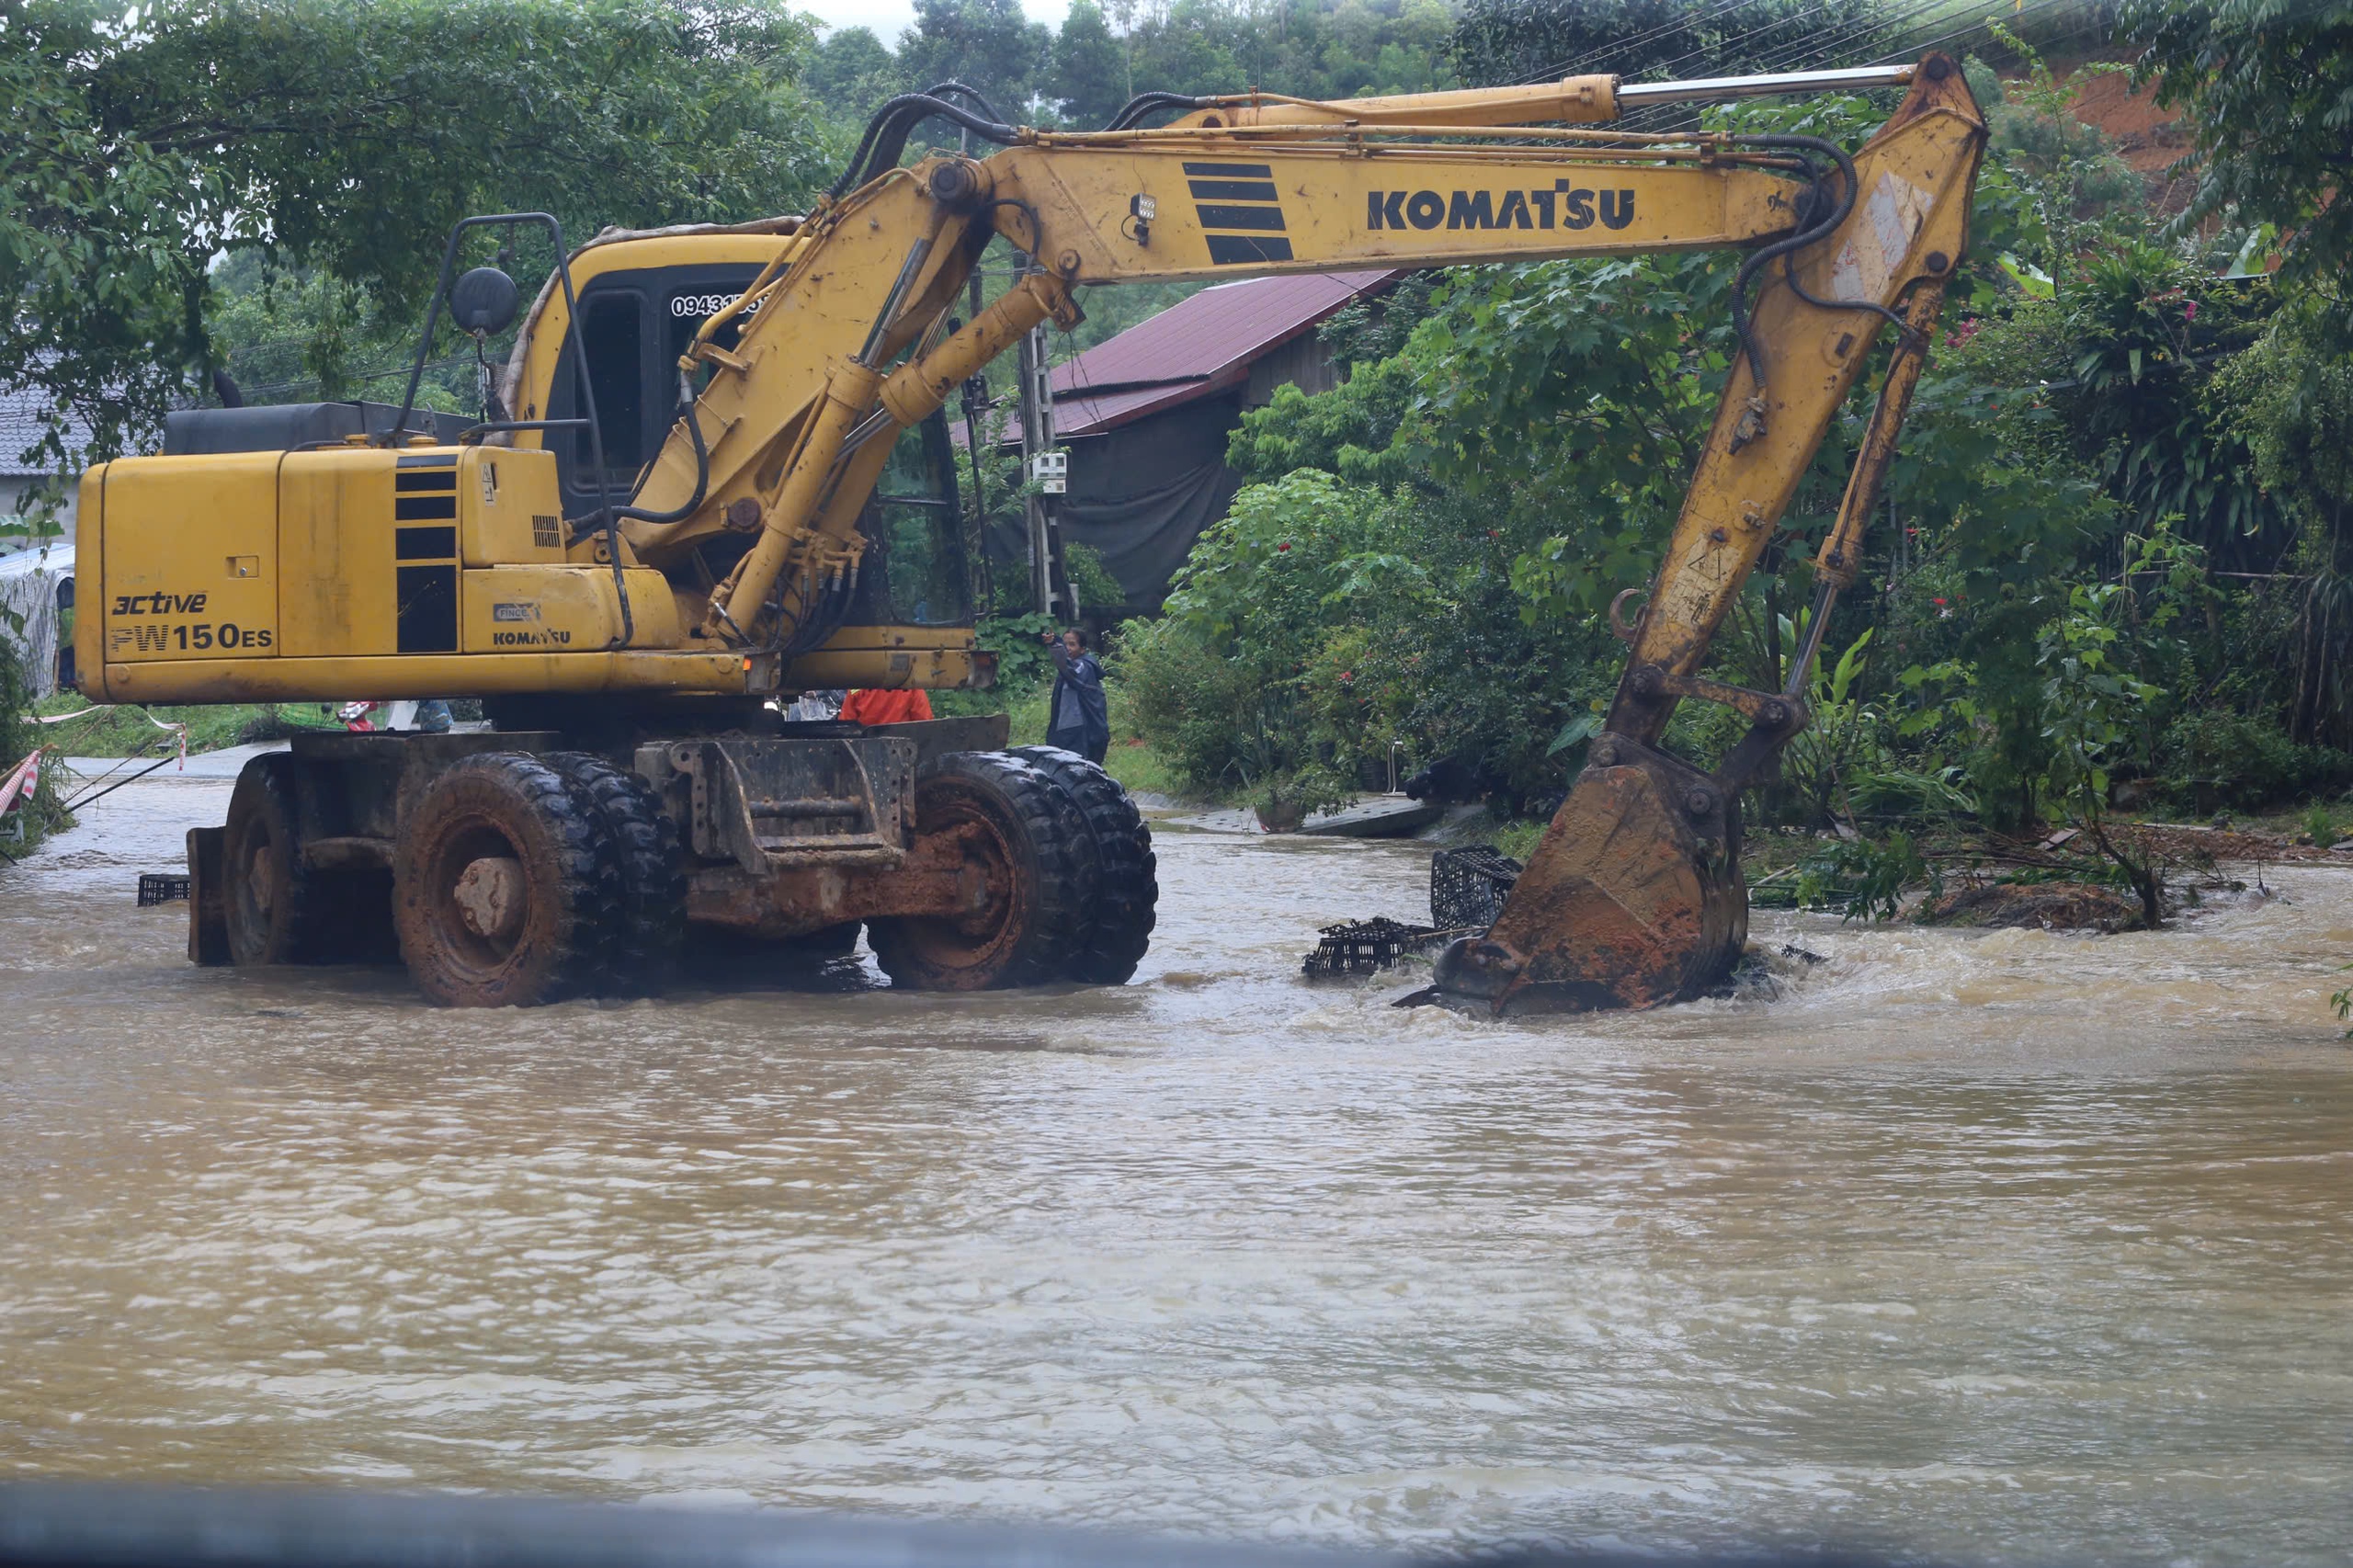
column 1632, row 898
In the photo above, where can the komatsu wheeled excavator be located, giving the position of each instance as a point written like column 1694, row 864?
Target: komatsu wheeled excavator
column 715, row 473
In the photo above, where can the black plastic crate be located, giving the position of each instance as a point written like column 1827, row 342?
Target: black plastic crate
column 161, row 887
column 1368, row 947
column 1467, row 885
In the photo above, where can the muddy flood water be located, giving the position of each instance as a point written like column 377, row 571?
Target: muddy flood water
column 2005, row 1247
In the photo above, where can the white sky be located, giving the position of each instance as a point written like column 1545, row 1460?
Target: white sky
column 889, row 18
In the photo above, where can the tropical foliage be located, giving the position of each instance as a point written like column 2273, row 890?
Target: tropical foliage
column 2115, row 561
column 341, row 139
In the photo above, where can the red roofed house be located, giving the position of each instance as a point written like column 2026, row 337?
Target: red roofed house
column 1145, row 416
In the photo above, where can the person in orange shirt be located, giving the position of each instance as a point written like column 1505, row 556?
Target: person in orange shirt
column 877, row 705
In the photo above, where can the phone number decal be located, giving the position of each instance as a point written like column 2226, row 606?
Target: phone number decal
column 699, row 305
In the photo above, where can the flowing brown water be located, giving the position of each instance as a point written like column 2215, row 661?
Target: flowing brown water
column 2007, row 1247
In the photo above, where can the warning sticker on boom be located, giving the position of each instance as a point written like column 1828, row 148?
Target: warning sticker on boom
column 1891, row 220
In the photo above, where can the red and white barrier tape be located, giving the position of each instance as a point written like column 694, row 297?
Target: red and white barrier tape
column 180, row 729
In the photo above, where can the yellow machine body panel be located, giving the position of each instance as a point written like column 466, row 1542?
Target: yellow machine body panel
column 334, row 541
column 357, row 524
column 362, row 572
column 508, row 513
column 189, row 557
column 563, row 608
column 890, row 656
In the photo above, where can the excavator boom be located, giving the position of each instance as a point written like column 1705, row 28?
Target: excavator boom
column 1634, row 896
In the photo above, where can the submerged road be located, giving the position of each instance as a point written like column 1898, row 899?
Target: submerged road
column 2007, row 1247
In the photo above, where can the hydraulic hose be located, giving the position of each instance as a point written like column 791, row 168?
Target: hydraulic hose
column 971, row 95
column 886, row 135
column 702, row 465
column 1142, row 104
column 1790, row 276
column 1764, row 255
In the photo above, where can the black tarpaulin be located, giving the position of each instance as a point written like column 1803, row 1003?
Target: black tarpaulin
column 1139, row 495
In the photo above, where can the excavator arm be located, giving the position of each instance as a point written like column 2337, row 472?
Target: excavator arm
column 1634, row 896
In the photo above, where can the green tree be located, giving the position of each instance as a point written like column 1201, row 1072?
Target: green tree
column 2268, row 85
column 852, row 73
column 1090, row 70
column 347, row 136
column 987, row 44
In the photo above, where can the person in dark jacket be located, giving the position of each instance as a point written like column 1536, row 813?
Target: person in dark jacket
column 1078, row 721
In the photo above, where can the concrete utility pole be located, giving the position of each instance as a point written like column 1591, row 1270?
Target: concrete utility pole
column 1050, row 586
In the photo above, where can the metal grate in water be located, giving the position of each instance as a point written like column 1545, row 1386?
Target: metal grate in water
column 1467, row 885
column 1368, row 947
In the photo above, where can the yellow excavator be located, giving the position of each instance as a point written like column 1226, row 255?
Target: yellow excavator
column 715, row 474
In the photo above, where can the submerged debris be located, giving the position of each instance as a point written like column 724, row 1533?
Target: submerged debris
column 1467, row 885
column 2051, row 907
column 161, row 887
column 1368, row 947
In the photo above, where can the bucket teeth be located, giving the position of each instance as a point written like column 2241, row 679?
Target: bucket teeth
column 1632, row 898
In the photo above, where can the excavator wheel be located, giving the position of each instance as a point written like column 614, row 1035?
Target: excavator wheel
column 644, row 843
column 267, row 892
column 505, row 890
column 1019, row 838
column 1127, row 884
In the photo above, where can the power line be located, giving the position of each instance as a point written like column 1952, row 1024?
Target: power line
column 1775, row 24
column 362, row 380
column 1838, row 47
column 1616, row 48
column 1835, row 50
column 1817, row 50
column 2035, row 9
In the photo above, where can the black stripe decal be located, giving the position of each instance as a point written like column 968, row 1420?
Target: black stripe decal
column 426, row 478
column 412, row 509
column 424, row 544
column 428, row 459
column 1231, row 250
column 427, row 618
column 1269, row 219
column 1234, row 190
column 1231, row 171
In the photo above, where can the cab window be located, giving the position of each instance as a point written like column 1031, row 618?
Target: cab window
column 915, row 572
column 633, row 326
column 612, row 330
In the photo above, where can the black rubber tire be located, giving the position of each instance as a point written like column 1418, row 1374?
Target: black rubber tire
column 505, row 805
column 268, row 895
column 1118, row 932
column 643, row 944
column 1023, row 835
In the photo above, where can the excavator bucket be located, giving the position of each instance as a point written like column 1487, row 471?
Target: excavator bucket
column 1632, row 898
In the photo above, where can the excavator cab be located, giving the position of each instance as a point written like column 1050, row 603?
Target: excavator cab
column 635, row 321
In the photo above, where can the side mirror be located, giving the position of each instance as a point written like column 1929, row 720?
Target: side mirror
column 482, row 301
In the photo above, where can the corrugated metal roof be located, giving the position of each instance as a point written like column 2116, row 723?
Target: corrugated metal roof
column 21, row 427
column 1197, row 346
column 1087, row 412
